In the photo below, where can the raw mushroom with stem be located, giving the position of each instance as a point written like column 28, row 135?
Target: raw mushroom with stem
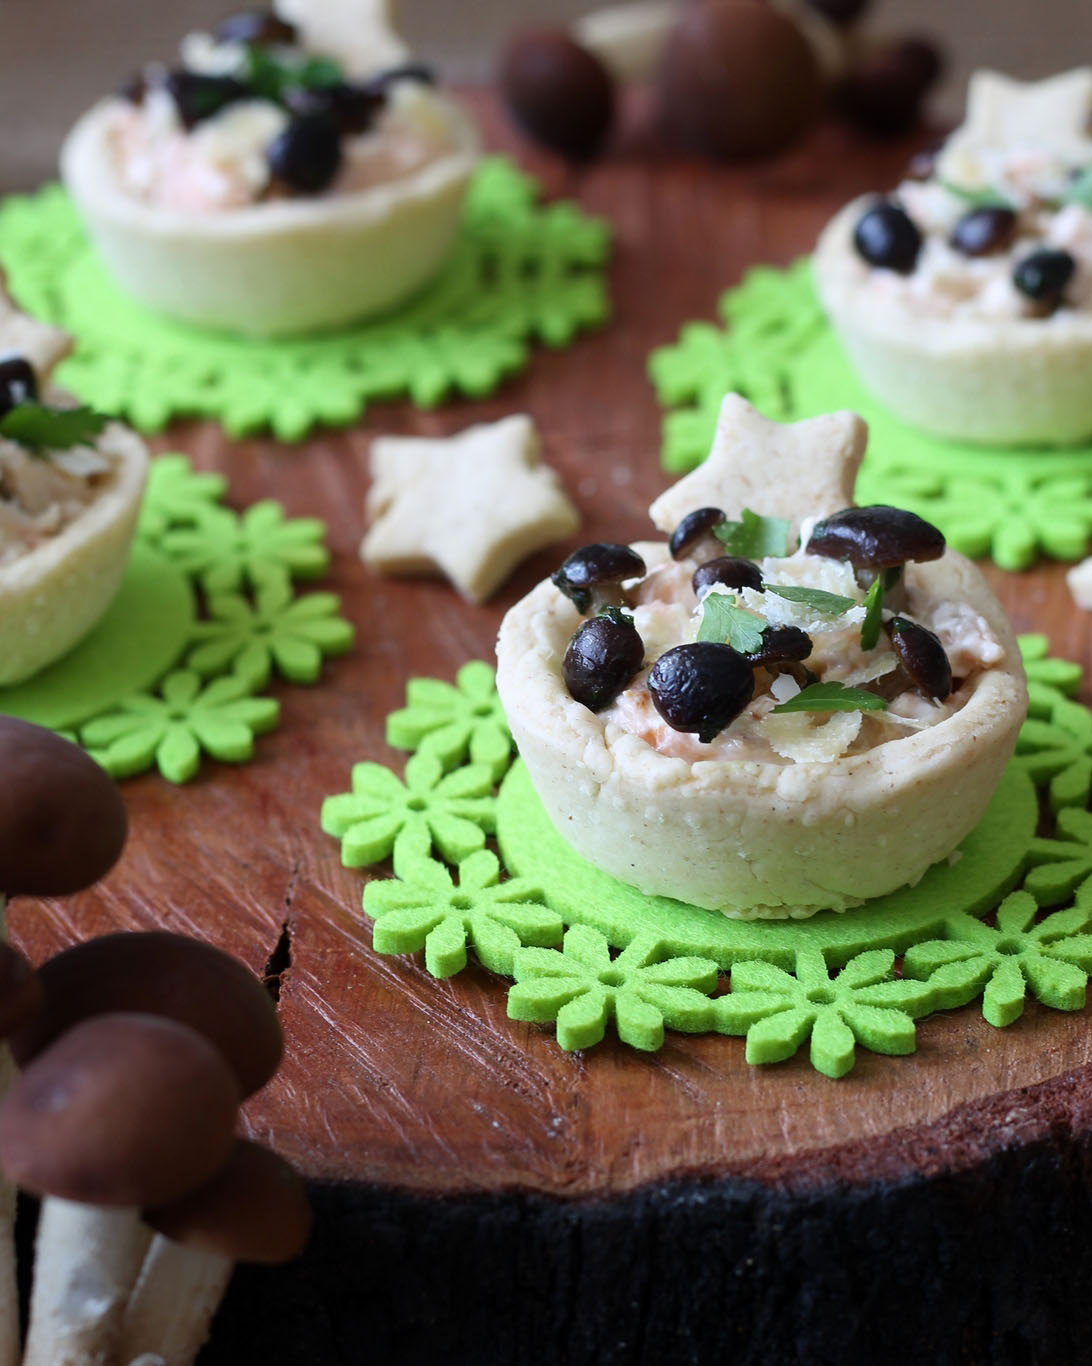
column 158, row 973
column 62, row 827
column 122, row 1112
column 168, row 975
column 253, row 1210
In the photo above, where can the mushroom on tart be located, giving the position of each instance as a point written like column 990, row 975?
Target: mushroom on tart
column 816, row 729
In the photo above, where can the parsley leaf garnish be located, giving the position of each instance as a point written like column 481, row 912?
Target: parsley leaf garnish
column 985, row 197
column 40, row 427
column 832, row 697
column 725, row 623
column 618, row 615
column 873, row 620
column 754, row 537
column 1079, row 190
column 829, row 604
column 269, row 76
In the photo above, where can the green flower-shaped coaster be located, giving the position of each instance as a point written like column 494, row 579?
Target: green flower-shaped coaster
column 207, row 613
column 586, row 950
column 775, row 346
column 521, row 272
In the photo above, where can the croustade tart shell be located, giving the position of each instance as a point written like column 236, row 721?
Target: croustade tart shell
column 748, row 837
column 55, row 593
column 1004, row 381
column 276, row 269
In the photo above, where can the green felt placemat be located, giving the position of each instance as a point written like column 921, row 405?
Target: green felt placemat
column 521, row 272
column 207, row 613
column 1012, row 915
column 774, row 345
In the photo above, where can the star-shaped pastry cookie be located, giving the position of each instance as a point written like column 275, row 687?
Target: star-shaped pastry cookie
column 44, row 346
column 469, row 506
column 358, row 34
column 1052, row 114
column 778, row 470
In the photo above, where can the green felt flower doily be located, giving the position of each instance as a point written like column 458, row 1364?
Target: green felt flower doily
column 585, row 950
column 521, row 272
column 208, row 611
column 774, row 346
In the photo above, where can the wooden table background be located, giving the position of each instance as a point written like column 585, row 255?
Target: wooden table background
column 395, row 1078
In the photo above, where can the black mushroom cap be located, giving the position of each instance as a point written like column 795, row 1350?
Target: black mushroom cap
column 1044, row 275
column 20, row 990
column 163, row 974
column 601, row 658
column 782, row 645
column 18, row 383
column 922, row 657
column 306, row 155
column 693, row 528
column 261, row 27
column 596, row 566
column 985, row 230
column 876, row 537
column 730, row 570
column 62, row 820
column 701, row 687
column 888, row 238
column 124, row 1110
column 254, row 1209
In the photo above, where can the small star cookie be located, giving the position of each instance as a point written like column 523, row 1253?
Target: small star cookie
column 1001, row 113
column 775, row 469
column 359, row 34
column 43, row 346
column 469, row 506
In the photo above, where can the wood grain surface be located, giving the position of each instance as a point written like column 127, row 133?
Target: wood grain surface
column 393, row 1078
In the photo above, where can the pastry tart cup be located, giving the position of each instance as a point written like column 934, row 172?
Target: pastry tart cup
column 52, row 596
column 275, row 269
column 995, row 381
column 749, row 837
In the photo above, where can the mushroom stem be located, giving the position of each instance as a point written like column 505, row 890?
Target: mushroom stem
column 9, row 1294
column 172, row 1308
column 86, row 1261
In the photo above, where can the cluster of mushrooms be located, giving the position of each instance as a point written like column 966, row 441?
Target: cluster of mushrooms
column 324, row 108
column 889, row 239
column 702, row 686
column 135, row 1051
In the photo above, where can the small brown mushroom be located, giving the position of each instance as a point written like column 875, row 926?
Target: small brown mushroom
column 163, row 974
column 62, row 820
column 122, row 1112
column 253, row 1210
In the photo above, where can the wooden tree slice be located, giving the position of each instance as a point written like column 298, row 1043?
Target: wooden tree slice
column 484, row 1197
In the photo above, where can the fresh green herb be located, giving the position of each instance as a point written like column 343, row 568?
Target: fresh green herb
column 873, row 618
column 618, row 615
column 726, row 623
column 985, row 197
column 39, row 427
column 832, row 697
column 1079, row 189
column 829, row 604
column 754, row 537
column 269, row 76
